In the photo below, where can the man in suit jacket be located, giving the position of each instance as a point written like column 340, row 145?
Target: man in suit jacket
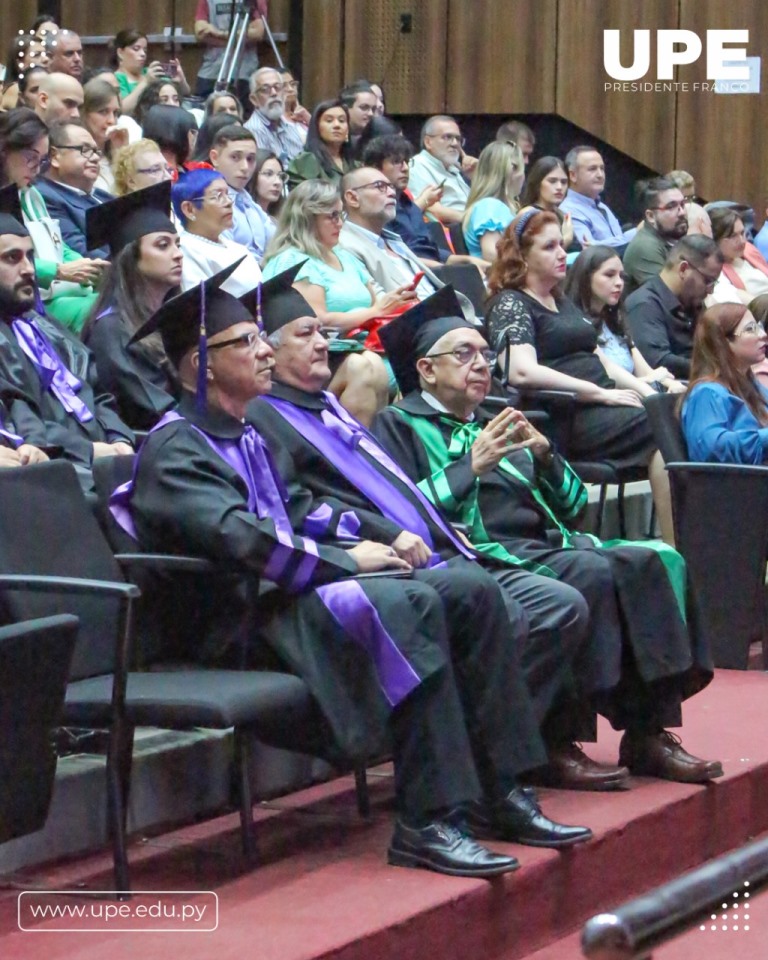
column 68, row 184
column 370, row 204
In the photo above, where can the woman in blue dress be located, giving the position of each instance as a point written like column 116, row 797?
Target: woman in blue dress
column 725, row 411
column 492, row 202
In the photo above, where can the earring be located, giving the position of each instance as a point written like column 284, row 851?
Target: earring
column 190, row 217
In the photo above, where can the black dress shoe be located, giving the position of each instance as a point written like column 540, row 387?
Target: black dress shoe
column 518, row 819
column 444, row 848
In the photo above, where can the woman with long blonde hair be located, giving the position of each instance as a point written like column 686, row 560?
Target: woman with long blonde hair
column 492, row 203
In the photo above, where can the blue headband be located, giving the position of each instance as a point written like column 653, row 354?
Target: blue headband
column 523, row 220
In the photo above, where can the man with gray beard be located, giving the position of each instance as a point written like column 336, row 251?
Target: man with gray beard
column 267, row 123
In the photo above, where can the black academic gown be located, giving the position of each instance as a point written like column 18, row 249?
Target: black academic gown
column 642, row 662
column 187, row 499
column 36, row 413
column 143, row 389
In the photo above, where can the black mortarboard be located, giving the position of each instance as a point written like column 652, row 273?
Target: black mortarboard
column 119, row 222
column 11, row 216
column 412, row 335
column 203, row 308
column 279, row 303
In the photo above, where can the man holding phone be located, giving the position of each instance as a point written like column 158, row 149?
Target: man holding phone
column 443, row 162
column 370, row 205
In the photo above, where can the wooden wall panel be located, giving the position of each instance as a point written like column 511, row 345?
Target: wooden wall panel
column 322, row 50
column 411, row 66
column 640, row 124
column 501, row 56
column 723, row 139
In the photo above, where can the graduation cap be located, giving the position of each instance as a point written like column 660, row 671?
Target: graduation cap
column 275, row 302
column 187, row 320
column 412, row 335
column 119, row 222
column 11, row 216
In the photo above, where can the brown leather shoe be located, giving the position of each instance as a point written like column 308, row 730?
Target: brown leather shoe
column 662, row 755
column 569, row 768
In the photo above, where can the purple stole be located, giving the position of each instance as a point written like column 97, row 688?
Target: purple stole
column 345, row 600
column 336, row 436
column 54, row 376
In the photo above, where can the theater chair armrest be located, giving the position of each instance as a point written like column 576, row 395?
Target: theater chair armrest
column 74, row 585
column 168, row 562
column 734, row 469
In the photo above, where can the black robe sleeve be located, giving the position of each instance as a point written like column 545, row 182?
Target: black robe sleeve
column 188, row 500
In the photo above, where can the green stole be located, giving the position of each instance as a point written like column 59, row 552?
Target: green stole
column 440, row 454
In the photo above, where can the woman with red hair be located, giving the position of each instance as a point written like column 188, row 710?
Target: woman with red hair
column 725, row 410
column 545, row 342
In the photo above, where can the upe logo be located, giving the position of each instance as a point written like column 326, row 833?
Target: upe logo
column 676, row 48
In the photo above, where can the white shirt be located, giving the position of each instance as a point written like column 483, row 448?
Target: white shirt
column 203, row 258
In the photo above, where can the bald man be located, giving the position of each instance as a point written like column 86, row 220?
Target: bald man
column 59, row 98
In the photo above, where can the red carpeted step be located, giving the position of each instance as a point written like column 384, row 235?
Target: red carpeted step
column 323, row 888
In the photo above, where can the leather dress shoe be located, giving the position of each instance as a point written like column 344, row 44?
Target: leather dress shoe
column 518, row 819
column 662, row 755
column 443, row 847
column 569, row 768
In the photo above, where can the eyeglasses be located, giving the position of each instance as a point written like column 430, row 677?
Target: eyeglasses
column 451, row 138
column 31, row 158
column 221, row 198
column 753, row 329
column 336, row 216
column 85, row 149
column 672, row 205
column 250, row 340
column 291, row 85
column 266, row 88
column 383, row 186
column 157, row 170
column 465, row 355
column 709, row 281
column 274, row 175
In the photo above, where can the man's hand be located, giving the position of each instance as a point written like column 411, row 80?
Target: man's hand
column 30, row 454
column 468, row 164
column 432, row 193
column 524, row 436
column 9, row 457
column 121, row 448
column 85, row 270
column 371, row 557
column 493, row 443
column 410, row 547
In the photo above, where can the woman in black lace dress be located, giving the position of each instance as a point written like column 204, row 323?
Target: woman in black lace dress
column 545, row 342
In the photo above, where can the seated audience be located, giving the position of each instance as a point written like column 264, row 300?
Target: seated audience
column 665, row 221
column 327, row 153
column 164, row 92
column 544, row 342
column 698, row 220
column 339, row 290
column 267, row 122
column 443, row 163
column 207, row 134
column 518, row 498
column 593, row 220
column 381, row 107
column 378, row 127
column 761, row 238
column 174, row 130
column 520, row 133
column 661, row 315
column 222, row 101
column 545, row 188
column 745, row 270
column 759, row 310
column 68, row 185
column 129, row 60
column 47, row 376
column 370, row 205
column 59, row 98
column 65, row 53
column 101, row 111
column 203, row 205
column 145, row 270
column 391, row 155
column 595, row 283
column 267, row 184
column 233, row 156
column 29, row 86
column 294, row 112
column 428, row 620
column 493, row 199
column 361, row 102
column 725, row 410
column 684, row 182
column 65, row 278
column 139, row 165
column 26, row 54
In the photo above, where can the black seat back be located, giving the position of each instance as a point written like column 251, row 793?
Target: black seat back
column 35, row 659
column 465, row 278
column 665, row 424
column 49, row 530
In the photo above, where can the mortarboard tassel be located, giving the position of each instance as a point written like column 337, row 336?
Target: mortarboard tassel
column 259, row 318
column 202, row 352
